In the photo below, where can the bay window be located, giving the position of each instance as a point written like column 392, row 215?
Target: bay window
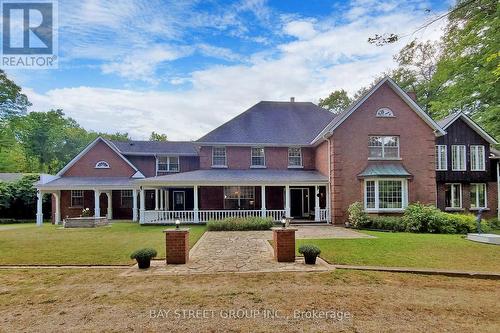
column 478, row 196
column 258, row 157
column 239, row 197
column 441, row 158
column 458, row 158
column 453, row 196
column 386, row 194
column 219, row 157
column 383, row 147
column 477, row 158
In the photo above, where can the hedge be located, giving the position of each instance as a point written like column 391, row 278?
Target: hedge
column 240, row 224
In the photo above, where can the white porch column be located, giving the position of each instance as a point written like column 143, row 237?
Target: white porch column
column 134, row 205
column 328, row 205
column 57, row 217
column 195, row 204
column 156, row 199
column 287, row 200
column 316, row 203
column 97, row 209
column 263, row 201
column 143, row 205
column 110, row 205
column 167, row 200
column 162, row 201
column 39, row 204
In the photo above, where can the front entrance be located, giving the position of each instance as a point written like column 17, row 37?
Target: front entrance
column 179, row 200
column 299, row 203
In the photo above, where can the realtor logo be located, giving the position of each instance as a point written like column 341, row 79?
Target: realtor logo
column 29, row 36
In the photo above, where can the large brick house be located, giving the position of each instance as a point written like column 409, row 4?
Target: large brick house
column 275, row 159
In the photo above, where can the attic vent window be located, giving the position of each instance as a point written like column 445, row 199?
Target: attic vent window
column 384, row 113
column 102, row 165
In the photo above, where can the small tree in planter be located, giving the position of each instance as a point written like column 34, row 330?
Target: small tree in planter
column 310, row 252
column 143, row 257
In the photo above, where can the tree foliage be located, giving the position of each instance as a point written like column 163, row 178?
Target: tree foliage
column 12, row 101
column 336, row 102
column 158, row 137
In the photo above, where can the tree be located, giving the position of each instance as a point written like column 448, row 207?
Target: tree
column 336, row 102
column 157, row 137
column 12, row 101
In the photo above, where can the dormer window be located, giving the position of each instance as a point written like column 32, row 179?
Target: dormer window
column 102, row 165
column 384, row 113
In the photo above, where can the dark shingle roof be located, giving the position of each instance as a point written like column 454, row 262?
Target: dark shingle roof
column 283, row 123
column 71, row 182
column 156, row 147
column 446, row 120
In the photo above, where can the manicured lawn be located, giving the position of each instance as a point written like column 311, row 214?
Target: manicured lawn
column 52, row 245
column 411, row 250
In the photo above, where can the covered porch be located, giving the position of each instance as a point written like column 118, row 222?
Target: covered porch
column 203, row 195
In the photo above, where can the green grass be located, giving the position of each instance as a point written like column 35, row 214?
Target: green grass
column 52, row 245
column 410, row 250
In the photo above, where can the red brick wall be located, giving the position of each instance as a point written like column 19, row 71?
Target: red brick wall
column 240, row 157
column 321, row 158
column 350, row 150
column 85, row 166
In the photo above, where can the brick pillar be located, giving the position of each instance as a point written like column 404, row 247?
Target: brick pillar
column 177, row 245
column 284, row 244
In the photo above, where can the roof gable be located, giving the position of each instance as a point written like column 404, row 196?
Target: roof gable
column 449, row 120
column 272, row 123
column 340, row 118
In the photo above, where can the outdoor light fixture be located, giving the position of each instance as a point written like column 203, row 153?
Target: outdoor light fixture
column 177, row 223
column 283, row 222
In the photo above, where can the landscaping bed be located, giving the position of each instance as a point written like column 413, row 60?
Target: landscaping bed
column 240, row 224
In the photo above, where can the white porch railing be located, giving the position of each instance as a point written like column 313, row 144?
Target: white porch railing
column 189, row 216
column 324, row 215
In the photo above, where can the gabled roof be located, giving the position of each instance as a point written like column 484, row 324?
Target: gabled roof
column 447, row 121
column 272, row 123
column 184, row 148
column 341, row 117
column 137, row 174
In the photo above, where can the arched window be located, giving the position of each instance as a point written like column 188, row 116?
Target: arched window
column 102, row 165
column 384, row 113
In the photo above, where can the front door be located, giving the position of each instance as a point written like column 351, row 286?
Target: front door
column 179, row 200
column 299, row 202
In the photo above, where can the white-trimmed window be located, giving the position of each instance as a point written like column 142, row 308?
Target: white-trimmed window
column 458, row 158
column 126, row 198
column 294, row 157
column 239, row 197
column 383, row 147
column 167, row 164
column 441, row 157
column 102, row 165
column 77, row 198
column 386, row 194
column 219, row 158
column 453, row 196
column 478, row 196
column 477, row 158
column 384, row 113
column 258, row 157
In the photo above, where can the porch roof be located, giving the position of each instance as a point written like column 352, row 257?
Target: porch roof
column 384, row 170
column 238, row 177
column 75, row 183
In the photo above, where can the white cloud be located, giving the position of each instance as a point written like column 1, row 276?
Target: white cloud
column 324, row 56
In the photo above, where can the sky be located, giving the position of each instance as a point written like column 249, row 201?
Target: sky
column 184, row 67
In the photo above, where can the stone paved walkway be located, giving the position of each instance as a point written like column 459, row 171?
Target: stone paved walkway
column 244, row 252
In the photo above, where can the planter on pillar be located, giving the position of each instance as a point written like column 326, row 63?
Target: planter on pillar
column 177, row 245
column 284, row 244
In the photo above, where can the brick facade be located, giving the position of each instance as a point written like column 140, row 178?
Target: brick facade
column 284, row 244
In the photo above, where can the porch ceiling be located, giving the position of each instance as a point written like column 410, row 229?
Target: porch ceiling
column 72, row 183
column 238, row 177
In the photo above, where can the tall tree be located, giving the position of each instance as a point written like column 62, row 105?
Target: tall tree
column 336, row 102
column 158, row 137
column 12, row 101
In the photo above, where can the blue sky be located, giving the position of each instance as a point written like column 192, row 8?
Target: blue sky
column 184, row 67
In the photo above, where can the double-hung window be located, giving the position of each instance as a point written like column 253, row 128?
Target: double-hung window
column 458, row 158
column 453, row 196
column 239, row 197
column 477, row 158
column 258, row 157
column 219, row 157
column 385, row 194
column 383, row 147
column 478, row 196
column 294, row 157
column 126, row 198
column 167, row 164
column 77, row 198
column 441, row 158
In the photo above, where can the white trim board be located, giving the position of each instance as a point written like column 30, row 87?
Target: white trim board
column 90, row 146
column 473, row 125
column 406, row 98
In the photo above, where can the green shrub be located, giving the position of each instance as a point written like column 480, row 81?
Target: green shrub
column 357, row 217
column 240, row 224
column 393, row 223
column 494, row 223
column 142, row 254
column 309, row 250
column 418, row 217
